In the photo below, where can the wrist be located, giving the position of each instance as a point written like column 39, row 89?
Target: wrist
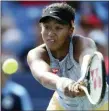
column 62, row 83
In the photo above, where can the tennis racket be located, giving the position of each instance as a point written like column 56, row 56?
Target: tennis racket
column 96, row 81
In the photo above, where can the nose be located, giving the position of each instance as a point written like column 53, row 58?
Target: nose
column 51, row 33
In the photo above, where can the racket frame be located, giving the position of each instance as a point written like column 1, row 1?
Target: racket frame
column 87, row 76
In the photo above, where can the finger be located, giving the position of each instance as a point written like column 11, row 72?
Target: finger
column 82, row 83
column 76, row 91
column 73, row 91
column 67, row 92
column 79, row 87
column 76, row 88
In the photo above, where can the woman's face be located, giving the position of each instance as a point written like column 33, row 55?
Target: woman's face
column 55, row 34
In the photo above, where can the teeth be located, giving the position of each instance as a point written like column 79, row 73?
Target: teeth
column 52, row 40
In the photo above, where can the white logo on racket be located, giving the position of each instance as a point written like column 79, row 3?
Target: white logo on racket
column 96, row 78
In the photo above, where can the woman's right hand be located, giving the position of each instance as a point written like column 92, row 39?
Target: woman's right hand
column 73, row 90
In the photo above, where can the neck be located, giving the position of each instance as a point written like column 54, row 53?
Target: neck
column 62, row 51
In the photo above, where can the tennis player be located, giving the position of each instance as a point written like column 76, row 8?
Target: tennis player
column 56, row 64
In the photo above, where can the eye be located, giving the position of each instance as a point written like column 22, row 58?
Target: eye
column 58, row 28
column 46, row 27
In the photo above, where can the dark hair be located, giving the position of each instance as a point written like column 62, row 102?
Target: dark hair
column 68, row 13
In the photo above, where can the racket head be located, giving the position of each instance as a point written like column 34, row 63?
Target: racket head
column 97, row 78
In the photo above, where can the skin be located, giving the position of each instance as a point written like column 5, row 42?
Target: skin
column 60, row 33
column 56, row 37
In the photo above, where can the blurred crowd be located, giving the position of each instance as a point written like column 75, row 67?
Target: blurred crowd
column 20, row 32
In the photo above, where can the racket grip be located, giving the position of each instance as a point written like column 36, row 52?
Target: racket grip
column 87, row 94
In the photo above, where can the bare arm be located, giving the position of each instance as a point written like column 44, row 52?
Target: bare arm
column 41, row 69
column 86, row 54
column 88, row 48
column 87, row 51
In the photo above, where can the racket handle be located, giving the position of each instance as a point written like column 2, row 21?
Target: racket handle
column 87, row 94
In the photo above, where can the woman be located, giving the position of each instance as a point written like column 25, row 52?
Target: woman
column 56, row 64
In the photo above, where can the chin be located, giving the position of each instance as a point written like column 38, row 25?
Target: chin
column 53, row 48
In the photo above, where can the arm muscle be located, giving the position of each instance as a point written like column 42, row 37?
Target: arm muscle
column 41, row 70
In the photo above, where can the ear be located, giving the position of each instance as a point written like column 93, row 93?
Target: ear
column 41, row 31
column 40, row 28
column 71, row 30
column 72, row 27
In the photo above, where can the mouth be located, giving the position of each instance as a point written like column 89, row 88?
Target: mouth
column 51, row 40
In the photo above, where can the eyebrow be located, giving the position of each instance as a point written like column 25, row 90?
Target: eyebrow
column 56, row 23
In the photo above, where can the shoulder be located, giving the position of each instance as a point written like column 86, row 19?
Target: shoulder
column 39, row 52
column 40, row 49
column 83, row 42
